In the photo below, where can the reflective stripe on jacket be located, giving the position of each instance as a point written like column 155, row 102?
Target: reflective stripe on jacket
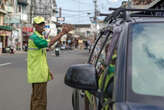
column 37, row 67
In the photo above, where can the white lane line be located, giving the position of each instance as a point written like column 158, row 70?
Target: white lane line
column 4, row 64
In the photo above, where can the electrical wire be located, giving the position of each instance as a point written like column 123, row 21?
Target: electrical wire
column 69, row 10
column 66, row 14
column 81, row 20
column 84, row 3
column 79, row 15
column 83, row 13
column 76, row 16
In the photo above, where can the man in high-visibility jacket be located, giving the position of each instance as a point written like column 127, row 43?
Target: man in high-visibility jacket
column 108, row 87
column 38, row 72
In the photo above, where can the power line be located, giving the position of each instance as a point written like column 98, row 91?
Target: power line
column 81, row 2
column 75, row 16
column 77, row 13
column 75, row 10
column 108, row 1
column 76, row 20
column 67, row 14
column 81, row 21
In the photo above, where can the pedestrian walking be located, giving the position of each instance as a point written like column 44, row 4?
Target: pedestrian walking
column 38, row 72
column 80, row 42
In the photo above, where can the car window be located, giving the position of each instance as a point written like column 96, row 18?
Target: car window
column 97, row 49
column 148, row 59
column 106, row 81
column 101, row 60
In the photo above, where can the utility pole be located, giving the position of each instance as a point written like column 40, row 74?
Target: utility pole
column 60, row 12
column 31, row 6
column 95, row 13
column 95, row 16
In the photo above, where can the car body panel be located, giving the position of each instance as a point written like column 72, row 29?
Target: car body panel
column 136, row 106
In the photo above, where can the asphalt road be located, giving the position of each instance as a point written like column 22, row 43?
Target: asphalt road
column 15, row 92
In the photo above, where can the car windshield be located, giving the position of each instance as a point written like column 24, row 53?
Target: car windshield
column 148, row 59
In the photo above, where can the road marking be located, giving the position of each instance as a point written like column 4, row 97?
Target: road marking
column 4, row 64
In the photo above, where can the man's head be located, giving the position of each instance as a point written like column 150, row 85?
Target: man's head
column 39, row 23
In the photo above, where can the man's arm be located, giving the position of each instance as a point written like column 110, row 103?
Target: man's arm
column 39, row 42
column 55, row 39
column 65, row 29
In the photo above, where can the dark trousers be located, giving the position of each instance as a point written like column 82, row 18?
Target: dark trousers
column 39, row 96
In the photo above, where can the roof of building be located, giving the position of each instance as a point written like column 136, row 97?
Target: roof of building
column 144, row 4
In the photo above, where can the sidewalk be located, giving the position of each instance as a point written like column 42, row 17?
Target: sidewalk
column 17, row 52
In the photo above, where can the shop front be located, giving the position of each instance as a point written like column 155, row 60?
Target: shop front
column 5, row 33
column 26, row 32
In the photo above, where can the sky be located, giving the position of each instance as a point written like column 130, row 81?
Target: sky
column 76, row 11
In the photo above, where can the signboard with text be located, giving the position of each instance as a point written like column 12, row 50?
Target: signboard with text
column 61, row 18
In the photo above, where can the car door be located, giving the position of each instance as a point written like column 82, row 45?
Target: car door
column 106, row 80
column 102, row 62
column 97, row 58
column 82, row 99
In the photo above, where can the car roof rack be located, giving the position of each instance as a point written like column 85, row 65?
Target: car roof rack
column 122, row 13
column 131, row 9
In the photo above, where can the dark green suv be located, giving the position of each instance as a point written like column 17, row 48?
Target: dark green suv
column 133, row 42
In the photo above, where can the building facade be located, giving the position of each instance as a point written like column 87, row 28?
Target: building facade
column 147, row 4
column 16, row 20
column 5, row 29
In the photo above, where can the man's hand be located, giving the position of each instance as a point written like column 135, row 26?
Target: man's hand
column 52, row 75
column 67, row 28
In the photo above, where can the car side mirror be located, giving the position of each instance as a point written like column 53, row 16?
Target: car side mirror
column 82, row 76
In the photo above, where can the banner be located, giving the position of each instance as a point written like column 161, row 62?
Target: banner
column 27, row 29
column 4, row 33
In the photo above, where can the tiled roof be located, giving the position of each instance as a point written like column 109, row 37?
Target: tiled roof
column 144, row 3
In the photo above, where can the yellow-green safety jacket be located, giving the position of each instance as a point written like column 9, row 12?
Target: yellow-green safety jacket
column 110, row 74
column 37, row 67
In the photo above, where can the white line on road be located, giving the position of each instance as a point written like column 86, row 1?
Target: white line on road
column 4, row 64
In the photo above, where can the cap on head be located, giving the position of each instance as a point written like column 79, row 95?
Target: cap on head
column 38, row 20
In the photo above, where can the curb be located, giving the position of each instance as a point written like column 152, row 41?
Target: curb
column 17, row 52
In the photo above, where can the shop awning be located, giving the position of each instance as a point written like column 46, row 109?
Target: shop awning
column 8, row 28
column 22, row 2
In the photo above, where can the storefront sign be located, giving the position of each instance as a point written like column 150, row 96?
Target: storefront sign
column 61, row 19
column 4, row 33
column 27, row 29
column 24, row 17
